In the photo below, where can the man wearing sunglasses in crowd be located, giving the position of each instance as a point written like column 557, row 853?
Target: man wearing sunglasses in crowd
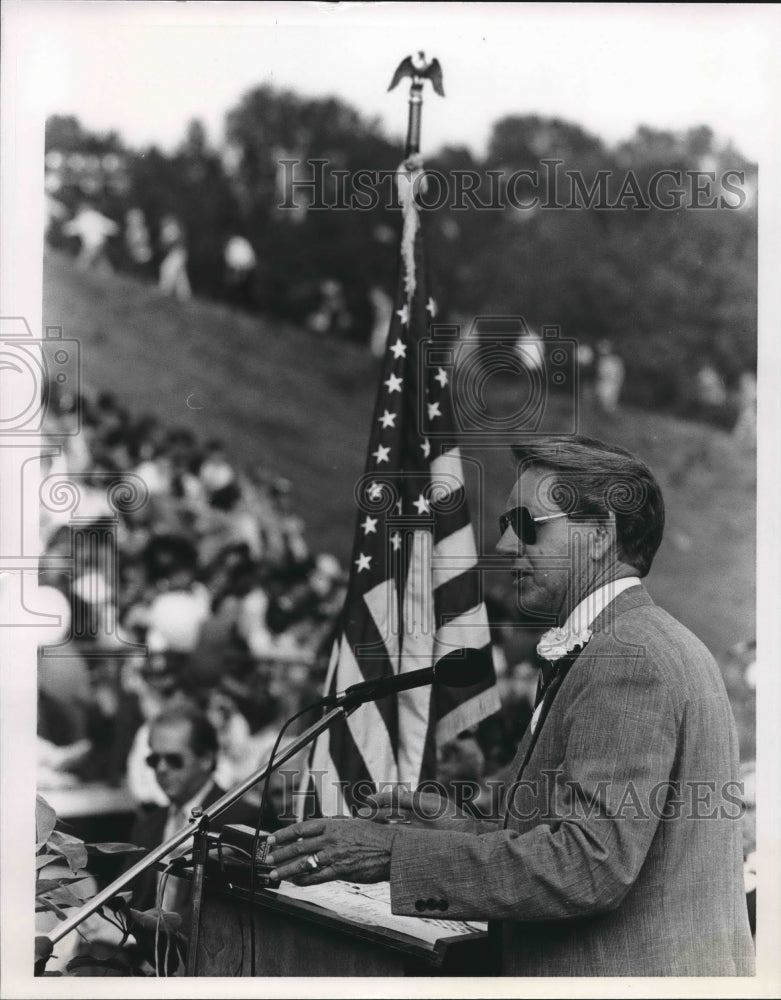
column 183, row 755
column 617, row 849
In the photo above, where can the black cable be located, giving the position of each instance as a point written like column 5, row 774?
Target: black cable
column 159, row 895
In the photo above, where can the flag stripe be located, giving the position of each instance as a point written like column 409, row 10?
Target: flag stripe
column 382, row 602
column 451, row 514
column 467, row 630
column 417, row 652
column 454, row 555
column 460, row 593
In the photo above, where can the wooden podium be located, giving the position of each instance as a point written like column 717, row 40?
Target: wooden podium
column 293, row 937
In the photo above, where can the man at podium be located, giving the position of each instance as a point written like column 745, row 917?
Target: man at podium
column 617, row 850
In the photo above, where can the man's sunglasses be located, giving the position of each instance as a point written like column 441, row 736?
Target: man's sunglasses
column 173, row 761
column 523, row 524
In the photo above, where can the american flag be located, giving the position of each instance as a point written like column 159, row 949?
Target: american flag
column 414, row 593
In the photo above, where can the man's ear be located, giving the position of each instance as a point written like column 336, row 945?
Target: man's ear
column 209, row 762
column 603, row 542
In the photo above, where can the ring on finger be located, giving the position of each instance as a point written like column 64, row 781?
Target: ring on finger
column 312, row 862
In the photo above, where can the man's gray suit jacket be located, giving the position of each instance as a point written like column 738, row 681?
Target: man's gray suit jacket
column 620, row 849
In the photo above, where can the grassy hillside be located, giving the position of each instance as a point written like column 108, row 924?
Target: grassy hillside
column 300, row 406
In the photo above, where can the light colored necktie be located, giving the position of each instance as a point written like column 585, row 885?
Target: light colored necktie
column 177, row 818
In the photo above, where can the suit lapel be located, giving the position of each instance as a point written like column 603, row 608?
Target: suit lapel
column 634, row 597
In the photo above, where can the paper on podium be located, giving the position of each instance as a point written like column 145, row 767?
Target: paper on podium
column 370, row 904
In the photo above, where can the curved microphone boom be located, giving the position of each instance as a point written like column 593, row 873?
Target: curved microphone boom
column 460, row 668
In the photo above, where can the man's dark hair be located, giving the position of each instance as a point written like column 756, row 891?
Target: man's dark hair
column 165, row 555
column 596, row 479
column 203, row 735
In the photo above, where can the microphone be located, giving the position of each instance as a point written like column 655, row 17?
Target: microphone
column 459, row 668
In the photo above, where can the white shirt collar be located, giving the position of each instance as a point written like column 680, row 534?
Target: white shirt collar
column 592, row 606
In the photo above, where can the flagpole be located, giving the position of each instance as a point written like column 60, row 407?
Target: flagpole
column 419, row 69
column 413, row 122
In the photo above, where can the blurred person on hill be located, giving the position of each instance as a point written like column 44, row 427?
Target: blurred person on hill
column 262, row 495
column 292, row 527
column 175, row 618
column 529, row 348
column 178, row 603
column 56, row 214
column 185, row 457
column 156, row 469
column 228, row 519
column 73, row 440
column 173, row 268
column 305, row 600
column 216, row 470
column 586, row 359
column 138, row 242
column 745, row 429
column 236, row 628
column 236, row 756
column 240, row 267
column 63, row 681
column 94, row 230
column 331, row 317
column 609, row 377
column 711, row 393
column 382, row 306
column 93, row 594
column 171, row 562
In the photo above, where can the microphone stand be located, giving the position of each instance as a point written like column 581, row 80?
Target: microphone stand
column 198, row 825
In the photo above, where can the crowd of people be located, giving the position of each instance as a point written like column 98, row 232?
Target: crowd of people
column 211, row 579
column 202, row 594
column 131, row 243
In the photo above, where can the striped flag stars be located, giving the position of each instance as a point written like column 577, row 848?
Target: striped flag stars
column 394, row 383
column 388, row 419
column 422, row 505
column 426, row 446
column 441, row 377
column 369, row 525
column 431, row 307
column 395, row 540
column 403, row 314
column 381, row 454
column 363, row 562
column 433, row 410
column 399, row 349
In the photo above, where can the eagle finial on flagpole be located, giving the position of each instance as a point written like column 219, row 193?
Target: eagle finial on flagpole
column 419, row 69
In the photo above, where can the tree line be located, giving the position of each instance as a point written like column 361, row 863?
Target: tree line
column 650, row 244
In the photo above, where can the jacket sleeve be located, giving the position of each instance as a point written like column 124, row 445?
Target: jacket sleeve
column 593, row 817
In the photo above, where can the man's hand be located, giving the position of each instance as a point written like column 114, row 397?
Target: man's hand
column 352, row 849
